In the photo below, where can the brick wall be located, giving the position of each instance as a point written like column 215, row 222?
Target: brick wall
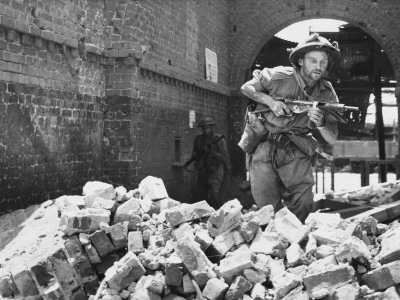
column 51, row 100
column 149, row 93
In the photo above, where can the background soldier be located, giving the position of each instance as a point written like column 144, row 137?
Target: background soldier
column 210, row 155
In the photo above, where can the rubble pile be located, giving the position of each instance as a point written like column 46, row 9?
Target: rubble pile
column 140, row 244
column 373, row 195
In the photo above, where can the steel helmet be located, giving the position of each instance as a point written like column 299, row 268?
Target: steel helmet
column 315, row 42
column 206, row 121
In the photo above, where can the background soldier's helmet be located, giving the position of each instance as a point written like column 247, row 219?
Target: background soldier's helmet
column 206, row 121
column 315, row 42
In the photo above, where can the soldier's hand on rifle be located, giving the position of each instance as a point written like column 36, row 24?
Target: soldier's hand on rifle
column 280, row 109
column 316, row 116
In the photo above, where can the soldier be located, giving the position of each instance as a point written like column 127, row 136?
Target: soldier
column 210, row 155
column 280, row 168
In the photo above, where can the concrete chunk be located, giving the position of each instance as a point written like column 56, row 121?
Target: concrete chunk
column 328, row 235
column 224, row 242
column 215, row 289
column 289, row 226
column 294, row 255
column 153, row 188
column 7, row 285
column 326, row 281
column 226, row 218
column 248, row 229
column 284, row 283
column 24, row 282
column 258, row 292
column 353, row 248
column 318, row 220
column 101, row 242
column 203, row 238
column 238, row 288
column 296, row 294
column 391, row 294
column 390, row 246
column 86, row 220
column 100, row 202
column 195, row 261
column 119, row 235
column 322, row 264
column 100, row 189
column 269, row 243
column 349, row 291
column 383, row 277
column 173, row 270
column 150, row 261
column 69, row 203
column 135, row 241
column 125, row 271
column 188, row 212
column 129, row 212
column 234, row 264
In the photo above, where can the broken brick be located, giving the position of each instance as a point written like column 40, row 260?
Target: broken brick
column 383, row 277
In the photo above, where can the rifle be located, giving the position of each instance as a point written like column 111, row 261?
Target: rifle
column 298, row 106
column 202, row 152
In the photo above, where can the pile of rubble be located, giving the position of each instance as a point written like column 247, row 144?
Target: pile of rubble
column 140, row 244
column 373, row 195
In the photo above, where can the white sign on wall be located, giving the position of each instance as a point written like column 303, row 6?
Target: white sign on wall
column 211, row 65
column 192, row 118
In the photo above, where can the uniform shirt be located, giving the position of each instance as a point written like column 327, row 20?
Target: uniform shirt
column 281, row 82
column 217, row 154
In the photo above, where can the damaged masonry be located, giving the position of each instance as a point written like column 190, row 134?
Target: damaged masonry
column 115, row 244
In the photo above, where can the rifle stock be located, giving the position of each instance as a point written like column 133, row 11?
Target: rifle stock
column 208, row 146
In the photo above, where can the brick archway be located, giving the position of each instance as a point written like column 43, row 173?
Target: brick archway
column 253, row 25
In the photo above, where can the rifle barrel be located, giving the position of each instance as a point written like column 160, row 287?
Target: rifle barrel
column 353, row 108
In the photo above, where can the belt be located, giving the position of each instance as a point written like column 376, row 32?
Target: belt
column 274, row 137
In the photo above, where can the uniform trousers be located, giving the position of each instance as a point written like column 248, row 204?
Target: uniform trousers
column 281, row 174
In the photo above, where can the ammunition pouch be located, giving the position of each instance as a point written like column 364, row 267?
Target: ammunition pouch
column 253, row 132
column 306, row 143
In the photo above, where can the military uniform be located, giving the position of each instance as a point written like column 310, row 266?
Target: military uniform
column 278, row 168
column 211, row 167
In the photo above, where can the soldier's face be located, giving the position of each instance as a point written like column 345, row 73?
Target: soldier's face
column 207, row 129
column 313, row 65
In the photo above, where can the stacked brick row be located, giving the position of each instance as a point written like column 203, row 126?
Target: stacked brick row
column 143, row 245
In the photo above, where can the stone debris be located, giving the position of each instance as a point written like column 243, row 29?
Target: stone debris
column 140, row 244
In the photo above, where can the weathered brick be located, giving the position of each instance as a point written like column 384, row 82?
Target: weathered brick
column 24, row 282
column 173, row 270
column 227, row 217
column 86, row 220
column 101, row 242
column 383, row 277
column 42, row 273
column 322, row 283
column 63, row 270
column 238, row 288
column 195, row 261
column 119, row 235
column 125, row 271
column 235, row 263
column 188, row 212
column 7, row 286
column 135, row 241
column 106, row 263
column 215, row 289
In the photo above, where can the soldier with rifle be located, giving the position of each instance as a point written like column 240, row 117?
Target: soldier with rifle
column 280, row 166
column 210, row 157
